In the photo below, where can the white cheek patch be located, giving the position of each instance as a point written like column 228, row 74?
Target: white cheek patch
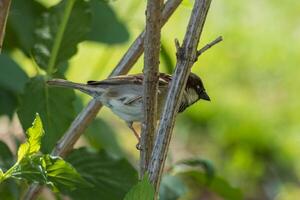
column 193, row 96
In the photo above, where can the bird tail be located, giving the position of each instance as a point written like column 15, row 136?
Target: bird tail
column 88, row 89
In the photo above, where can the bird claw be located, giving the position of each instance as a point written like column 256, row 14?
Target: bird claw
column 138, row 146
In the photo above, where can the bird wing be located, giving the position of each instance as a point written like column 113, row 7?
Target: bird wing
column 136, row 79
column 133, row 100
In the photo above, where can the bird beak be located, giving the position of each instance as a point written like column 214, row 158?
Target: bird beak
column 204, row 96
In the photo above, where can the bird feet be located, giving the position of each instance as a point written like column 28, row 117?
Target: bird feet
column 138, row 146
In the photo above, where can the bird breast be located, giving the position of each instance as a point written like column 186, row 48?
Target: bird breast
column 129, row 113
column 127, row 102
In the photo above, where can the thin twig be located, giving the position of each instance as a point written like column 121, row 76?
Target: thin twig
column 177, row 45
column 208, row 46
column 4, row 10
column 151, row 70
column 86, row 116
column 185, row 60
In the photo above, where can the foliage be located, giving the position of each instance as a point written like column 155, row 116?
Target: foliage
column 18, row 35
column 42, row 168
column 9, row 67
column 114, row 32
column 142, row 190
column 172, row 187
column 196, row 179
column 250, row 129
column 199, row 163
column 10, row 89
column 38, row 97
column 51, row 38
column 217, row 185
column 111, row 178
column 57, row 33
column 6, row 156
column 102, row 136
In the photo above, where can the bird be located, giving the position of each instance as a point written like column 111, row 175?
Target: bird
column 123, row 94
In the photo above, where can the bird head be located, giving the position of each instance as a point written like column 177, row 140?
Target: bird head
column 195, row 85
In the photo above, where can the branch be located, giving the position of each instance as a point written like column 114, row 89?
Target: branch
column 185, row 59
column 151, row 71
column 208, row 46
column 85, row 117
column 4, row 10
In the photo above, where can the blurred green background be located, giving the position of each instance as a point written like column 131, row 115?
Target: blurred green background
column 250, row 129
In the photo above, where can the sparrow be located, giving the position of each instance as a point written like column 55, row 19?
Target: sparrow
column 124, row 94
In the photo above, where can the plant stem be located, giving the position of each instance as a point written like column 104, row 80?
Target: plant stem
column 4, row 10
column 150, row 83
column 8, row 173
column 185, row 59
column 208, row 46
column 59, row 36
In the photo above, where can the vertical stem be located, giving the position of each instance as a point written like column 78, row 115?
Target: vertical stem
column 4, row 10
column 151, row 71
column 185, row 59
column 59, row 35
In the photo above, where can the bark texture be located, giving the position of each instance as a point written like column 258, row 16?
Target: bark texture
column 151, row 70
column 186, row 56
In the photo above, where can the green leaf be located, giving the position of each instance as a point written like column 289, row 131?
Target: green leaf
column 6, row 158
column 55, row 106
column 224, row 189
column 143, row 190
column 198, row 162
column 171, row 187
column 44, row 169
column 101, row 135
column 63, row 175
column 106, row 27
column 34, row 134
column 31, row 168
column 78, row 25
column 21, row 13
column 27, row 149
column 23, row 151
column 10, row 190
column 49, row 170
column 12, row 77
column 33, row 143
column 217, row 185
column 12, row 82
column 8, row 102
column 111, row 178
